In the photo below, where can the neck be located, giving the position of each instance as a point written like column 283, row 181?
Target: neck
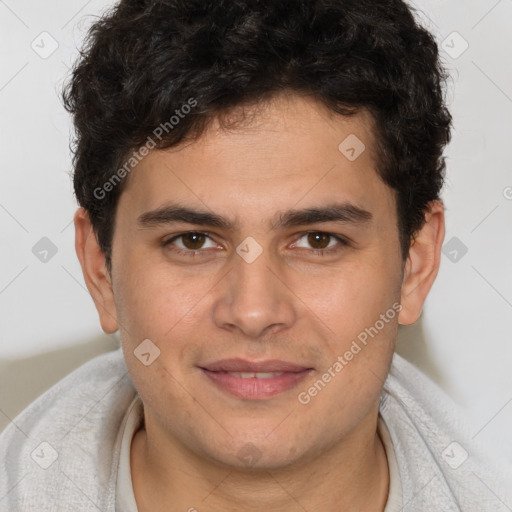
column 353, row 475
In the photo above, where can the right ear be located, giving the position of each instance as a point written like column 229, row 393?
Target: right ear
column 94, row 269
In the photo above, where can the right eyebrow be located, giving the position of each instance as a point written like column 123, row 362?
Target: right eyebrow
column 174, row 213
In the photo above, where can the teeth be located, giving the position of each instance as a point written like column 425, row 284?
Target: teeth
column 258, row 375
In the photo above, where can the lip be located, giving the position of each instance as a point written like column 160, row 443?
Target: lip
column 255, row 388
column 243, row 365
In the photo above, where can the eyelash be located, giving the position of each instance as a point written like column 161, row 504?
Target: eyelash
column 317, row 252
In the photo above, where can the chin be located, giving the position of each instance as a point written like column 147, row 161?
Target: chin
column 254, row 455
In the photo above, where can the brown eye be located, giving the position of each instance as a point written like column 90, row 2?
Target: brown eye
column 193, row 241
column 190, row 243
column 321, row 243
column 319, row 240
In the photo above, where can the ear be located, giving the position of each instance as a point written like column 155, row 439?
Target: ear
column 96, row 276
column 422, row 264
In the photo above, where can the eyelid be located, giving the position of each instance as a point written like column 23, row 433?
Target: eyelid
column 343, row 241
column 172, row 238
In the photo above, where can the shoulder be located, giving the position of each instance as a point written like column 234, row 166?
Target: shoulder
column 63, row 444
column 439, row 460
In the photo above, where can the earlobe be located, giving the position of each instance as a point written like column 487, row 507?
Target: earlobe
column 422, row 264
column 94, row 269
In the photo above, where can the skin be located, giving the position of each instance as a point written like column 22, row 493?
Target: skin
column 290, row 303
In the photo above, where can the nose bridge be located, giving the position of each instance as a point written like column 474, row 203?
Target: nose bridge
column 253, row 298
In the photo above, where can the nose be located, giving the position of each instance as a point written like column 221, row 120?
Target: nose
column 254, row 299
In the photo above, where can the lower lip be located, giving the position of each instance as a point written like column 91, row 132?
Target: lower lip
column 254, row 388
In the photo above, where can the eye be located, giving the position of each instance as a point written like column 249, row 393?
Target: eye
column 322, row 242
column 189, row 243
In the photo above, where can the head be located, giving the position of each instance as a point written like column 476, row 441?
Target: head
column 302, row 143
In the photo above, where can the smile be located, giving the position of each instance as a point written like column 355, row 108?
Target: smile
column 255, row 385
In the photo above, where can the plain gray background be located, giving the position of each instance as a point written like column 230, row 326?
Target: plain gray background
column 48, row 321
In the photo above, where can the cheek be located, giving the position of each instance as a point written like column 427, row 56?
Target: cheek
column 361, row 311
column 152, row 301
column 350, row 297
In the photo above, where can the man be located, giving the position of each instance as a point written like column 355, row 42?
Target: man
column 259, row 188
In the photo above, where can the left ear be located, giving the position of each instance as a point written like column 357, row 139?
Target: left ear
column 422, row 263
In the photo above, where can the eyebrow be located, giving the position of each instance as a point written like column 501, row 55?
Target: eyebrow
column 346, row 213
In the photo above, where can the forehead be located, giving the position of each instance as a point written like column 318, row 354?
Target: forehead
column 288, row 151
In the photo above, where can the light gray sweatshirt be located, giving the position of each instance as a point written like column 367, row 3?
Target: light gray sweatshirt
column 62, row 452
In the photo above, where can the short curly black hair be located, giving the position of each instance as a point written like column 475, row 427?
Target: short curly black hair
column 144, row 60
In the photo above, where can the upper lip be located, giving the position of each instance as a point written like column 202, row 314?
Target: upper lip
column 243, row 365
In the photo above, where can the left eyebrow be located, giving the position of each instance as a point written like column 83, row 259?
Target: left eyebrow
column 345, row 213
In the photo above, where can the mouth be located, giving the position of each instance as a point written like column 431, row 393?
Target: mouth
column 255, row 380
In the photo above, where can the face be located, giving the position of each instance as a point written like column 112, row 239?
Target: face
column 260, row 248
